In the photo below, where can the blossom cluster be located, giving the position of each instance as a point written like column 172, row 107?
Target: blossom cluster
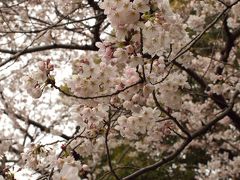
column 36, row 82
column 133, row 93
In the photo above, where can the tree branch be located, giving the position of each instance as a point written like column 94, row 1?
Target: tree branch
column 44, row 48
column 107, row 148
column 29, row 121
column 95, row 97
column 195, row 135
column 170, row 116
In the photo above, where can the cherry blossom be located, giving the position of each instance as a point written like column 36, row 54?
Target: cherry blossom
column 121, row 89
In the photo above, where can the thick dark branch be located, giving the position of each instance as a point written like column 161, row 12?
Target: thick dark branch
column 97, row 27
column 229, row 44
column 221, row 102
column 224, row 3
column 52, row 46
column 44, row 48
column 94, row 5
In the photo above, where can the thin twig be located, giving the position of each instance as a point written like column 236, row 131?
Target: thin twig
column 107, row 148
column 95, row 97
column 170, row 116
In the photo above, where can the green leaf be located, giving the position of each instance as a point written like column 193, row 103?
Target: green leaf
column 65, row 89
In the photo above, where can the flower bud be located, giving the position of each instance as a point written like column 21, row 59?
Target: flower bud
column 35, row 92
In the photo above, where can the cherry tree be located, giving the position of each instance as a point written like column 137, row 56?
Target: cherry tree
column 119, row 89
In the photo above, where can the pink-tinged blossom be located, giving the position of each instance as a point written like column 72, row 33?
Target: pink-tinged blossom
column 45, row 66
column 105, row 50
column 36, row 81
column 140, row 42
column 67, row 172
column 130, row 76
column 33, row 87
column 141, row 5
